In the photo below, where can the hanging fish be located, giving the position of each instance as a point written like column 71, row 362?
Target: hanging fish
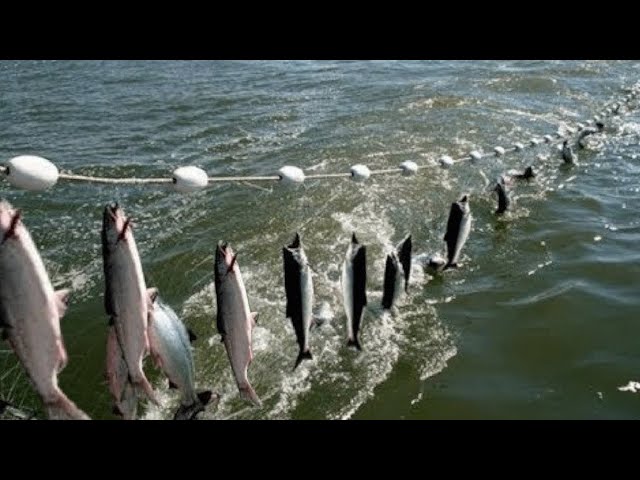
column 235, row 322
column 354, row 289
column 503, row 197
column 30, row 313
column 127, row 300
column 396, row 272
column 298, row 286
column 171, row 349
column 458, row 228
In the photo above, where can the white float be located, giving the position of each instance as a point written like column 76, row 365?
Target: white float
column 446, row 161
column 189, row 179
column 548, row 138
column 31, row 172
column 359, row 173
column 409, row 168
column 518, row 146
column 499, row 151
column 290, row 175
column 475, row 156
column 535, row 141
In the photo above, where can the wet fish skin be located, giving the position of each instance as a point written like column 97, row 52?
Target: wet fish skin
column 121, row 389
column 299, row 291
column 458, row 228
column 170, row 343
column 30, row 313
column 234, row 320
column 354, row 289
column 128, row 302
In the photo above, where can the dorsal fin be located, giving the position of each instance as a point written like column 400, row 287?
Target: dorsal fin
column 192, row 336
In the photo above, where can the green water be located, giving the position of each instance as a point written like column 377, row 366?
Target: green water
column 541, row 321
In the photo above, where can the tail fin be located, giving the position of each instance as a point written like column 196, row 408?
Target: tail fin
column 354, row 343
column 303, row 356
column 248, row 393
column 64, row 409
column 189, row 412
column 144, row 389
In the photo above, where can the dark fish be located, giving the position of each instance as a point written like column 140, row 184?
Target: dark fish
column 354, row 289
column 298, row 286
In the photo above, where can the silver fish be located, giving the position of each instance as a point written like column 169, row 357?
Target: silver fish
column 354, row 289
column 298, row 286
column 397, row 270
column 127, row 300
column 122, row 390
column 235, row 322
column 458, row 228
column 30, row 313
column 171, row 349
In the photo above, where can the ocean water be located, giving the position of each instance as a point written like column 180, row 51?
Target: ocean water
column 541, row 320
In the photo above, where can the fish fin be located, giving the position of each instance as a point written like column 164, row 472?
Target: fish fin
column 303, row 356
column 353, row 238
column 61, row 408
column 254, row 318
column 112, row 321
column 354, row 343
column 144, row 390
column 116, row 411
column 192, row 336
column 62, row 356
column 190, row 412
column 204, row 397
column 249, row 394
column 450, row 265
column 172, row 385
column 62, row 301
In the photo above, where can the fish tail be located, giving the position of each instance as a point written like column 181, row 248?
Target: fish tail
column 189, row 412
column 354, row 342
column 61, row 408
column 303, row 355
column 248, row 393
column 144, row 389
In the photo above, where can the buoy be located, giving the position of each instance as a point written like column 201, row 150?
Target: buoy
column 409, row 168
column 535, row 141
column 518, row 146
column 291, row 175
column 596, row 118
column 189, row 179
column 499, row 151
column 475, row 156
column 359, row 173
column 548, row 138
column 31, row 172
column 446, row 161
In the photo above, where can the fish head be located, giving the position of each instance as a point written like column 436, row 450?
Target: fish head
column 9, row 220
column 115, row 225
column 225, row 259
